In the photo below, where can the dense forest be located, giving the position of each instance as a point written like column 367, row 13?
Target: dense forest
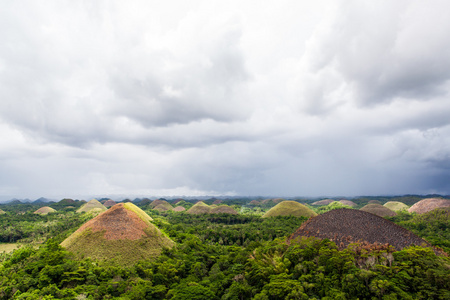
column 223, row 256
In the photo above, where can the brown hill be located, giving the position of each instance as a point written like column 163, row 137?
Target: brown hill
column 44, row 210
column 217, row 201
column 109, row 203
column 429, row 204
column 348, row 202
column 379, row 210
column 323, row 202
column 345, row 226
column 67, row 201
column 124, row 233
column 179, row 208
column 254, row 202
column 199, row 208
column 223, row 209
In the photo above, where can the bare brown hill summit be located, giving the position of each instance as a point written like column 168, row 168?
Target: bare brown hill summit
column 345, row 226
column 109, row 203
column 124, row 233
column 379, row 210
column 323, row 202
column 44, row 210
column 429, row 204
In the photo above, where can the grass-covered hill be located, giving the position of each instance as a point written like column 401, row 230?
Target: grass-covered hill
column 289, row 208
column 199, row 208
column 348, row 203
column 124, row 233
column 429, row 204
column 44, row 210
column 93, row 204
column 323, row 202
column 2, row 212
column 379, row 210
column 223, row 209
column 396, row 205
column 345, row 226
column 164, row 206
column 157, row 202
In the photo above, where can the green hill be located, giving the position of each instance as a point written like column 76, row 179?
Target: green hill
column 94, row 203
column 223, row 209
column 199, row 208
column 289, row 208
column 396, row 205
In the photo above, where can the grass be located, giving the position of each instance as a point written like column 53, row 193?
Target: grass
column 289, row 208
column 396, row 205
column 142, row 214
column 94, row 203
column 8, row 247
column 199, row 208
column 223, row 209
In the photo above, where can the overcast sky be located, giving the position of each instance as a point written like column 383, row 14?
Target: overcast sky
column 271, row 98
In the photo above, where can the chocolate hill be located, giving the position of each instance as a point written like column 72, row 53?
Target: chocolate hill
column 163, row 206
column 199, row 208
column 254, row 202
column 345, row 226
column 217, row 201
column 2, row 212
column 379, row 210
column 179, row 208
column 67, row 201
column 157, row 202
column 109, row 203
column 323, row 202
column 44, row 210
column 289, row 208
column 396, row 205
column 374, row 202
column 348, row 202
column 223, row 209
column 123, row 233
column 93, row 204
column 429, row 204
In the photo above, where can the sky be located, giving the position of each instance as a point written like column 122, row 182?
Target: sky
column 235, row 98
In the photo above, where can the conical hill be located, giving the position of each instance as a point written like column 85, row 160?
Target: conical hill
column 109, row 203
column 323, row 202
column 348, row 202
column 223, row 209
column 123, row 233
column 164, row 206
column 44, row 210
column 345, row 226
column 289, row 208
column 429, row 204
column 94, row 203
column 379, row 210
column 199, row 208
column 396, row 205
column 158, row 202
column 2, row 212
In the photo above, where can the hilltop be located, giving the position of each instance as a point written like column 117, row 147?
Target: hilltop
column 199, row 208
column 91, row 205
column 429, row 204
column 379, row 210
column 345, row 226
column 123, row 233
column 289, row 208
column 396, row 205
column 44, row 210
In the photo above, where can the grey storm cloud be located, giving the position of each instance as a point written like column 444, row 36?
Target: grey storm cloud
column 208, row 97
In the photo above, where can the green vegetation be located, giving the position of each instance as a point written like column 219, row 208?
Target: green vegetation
column 218, row 256
column 396, row 205
column 289, row 208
